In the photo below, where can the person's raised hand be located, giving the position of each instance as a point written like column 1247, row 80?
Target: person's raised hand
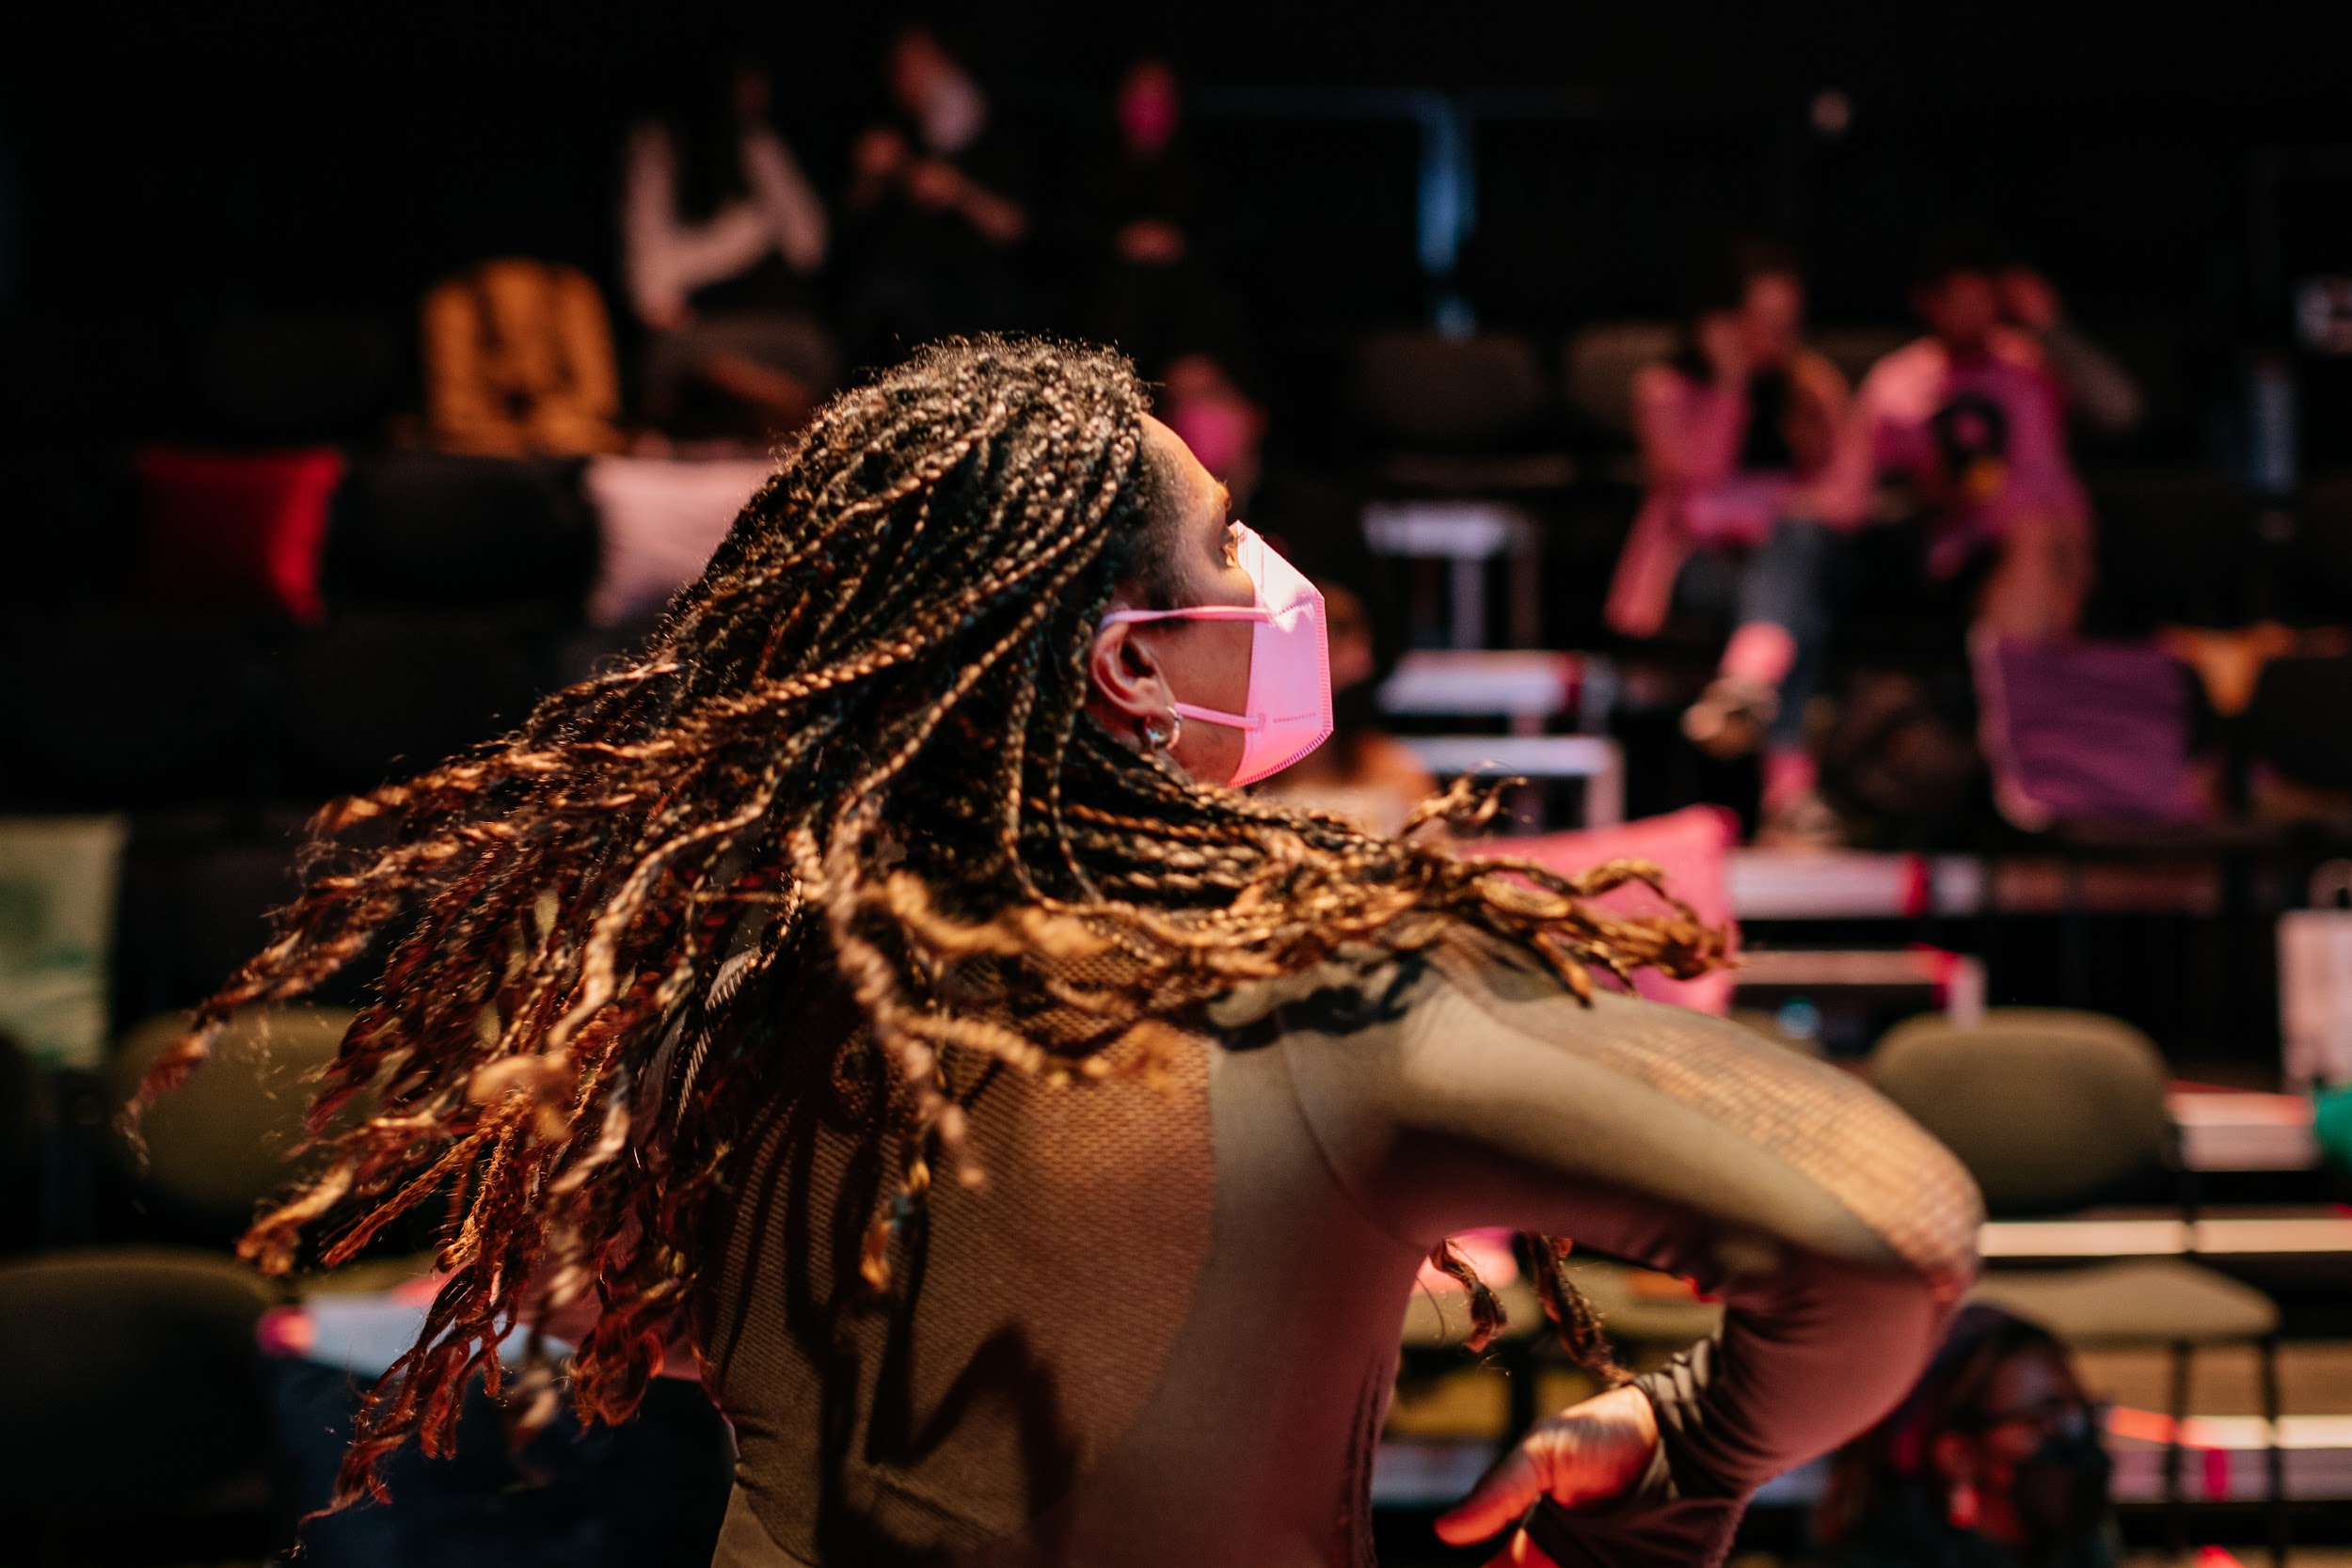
column 1589, row 1453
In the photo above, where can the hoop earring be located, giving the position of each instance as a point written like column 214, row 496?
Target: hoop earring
column 1158, row 740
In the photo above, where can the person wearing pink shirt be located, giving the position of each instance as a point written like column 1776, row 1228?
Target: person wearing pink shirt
column 1748, row 451
column 1971, row 420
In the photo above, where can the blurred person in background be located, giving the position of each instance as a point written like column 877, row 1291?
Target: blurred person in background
column 1362, row 772
column 1994, row 1461
column 2101, row 395
column 934, row 218
column 1198, row 399
column 1748, row 455
column 1971, row 421
column 1141, row 230
column 723, row 236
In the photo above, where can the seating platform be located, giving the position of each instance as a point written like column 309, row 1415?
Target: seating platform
column 1527, row 685
column 2305, row 1232
column 1867, row 884
column 2242, row 1130
column 1593, row 758
column 2225, row 1461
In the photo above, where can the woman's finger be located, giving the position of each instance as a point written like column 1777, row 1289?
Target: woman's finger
column 1504, row 1494
column 1521, row 1552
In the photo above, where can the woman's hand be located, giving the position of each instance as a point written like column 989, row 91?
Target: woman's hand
column 1588, row 1453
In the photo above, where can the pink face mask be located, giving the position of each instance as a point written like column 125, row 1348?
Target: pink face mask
column 1290, row 662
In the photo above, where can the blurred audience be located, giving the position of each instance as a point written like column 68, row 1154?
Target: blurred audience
column 519, row 359
column 721, row 234
column 2100, row 393
column 1970, row 419
column 1139, row 222
column 934, row 213
column 1745, row 436
column 1362, row 772
column 1200, row 400
column 1993, row 1460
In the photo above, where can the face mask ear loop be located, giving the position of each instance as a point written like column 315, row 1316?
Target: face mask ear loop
column 1192, row 613
column 1248, row 722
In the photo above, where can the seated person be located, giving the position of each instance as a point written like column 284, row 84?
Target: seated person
column 1744, row 437
column 519, row 359
column 1992, row 1461
column 1140, row 232
column 1362, row 772
column 1970, row 420
column 932, row 216
column 1199, row 399
column 721, row 236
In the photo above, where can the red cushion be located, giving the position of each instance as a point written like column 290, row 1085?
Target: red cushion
column 240, row 531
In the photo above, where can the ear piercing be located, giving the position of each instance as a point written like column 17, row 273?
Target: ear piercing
column 1161, row 737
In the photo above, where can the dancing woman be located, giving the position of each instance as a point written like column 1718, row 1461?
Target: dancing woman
column 879, row 990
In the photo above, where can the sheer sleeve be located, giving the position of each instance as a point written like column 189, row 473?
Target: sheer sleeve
column 1837, row 1232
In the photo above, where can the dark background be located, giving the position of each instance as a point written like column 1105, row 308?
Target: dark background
column 167, row 173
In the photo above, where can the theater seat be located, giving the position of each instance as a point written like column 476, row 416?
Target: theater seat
column 221, row 1146
column 2296, row 719
column 1599, row 366
column 193, row 903
column 439, row 531
column 115, row 710
column 2048, row 1113
column 129, row 1403
column 374, row 697
column 1458, row 415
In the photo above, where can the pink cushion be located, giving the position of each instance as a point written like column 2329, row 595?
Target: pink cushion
column 658, row 520
column 2086, row 732
column 1693, row 847
column 235, row 531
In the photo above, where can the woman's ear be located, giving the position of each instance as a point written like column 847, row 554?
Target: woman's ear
column 1129, row 689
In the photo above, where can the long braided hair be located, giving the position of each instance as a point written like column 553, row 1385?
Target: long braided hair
column 856, row 753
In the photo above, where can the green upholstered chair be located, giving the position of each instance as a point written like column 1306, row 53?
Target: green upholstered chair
column 2048, row 1110
column 218, row 1148
column 129, row 1400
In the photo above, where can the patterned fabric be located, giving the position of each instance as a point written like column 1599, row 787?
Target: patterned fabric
column 1929, row 1220
column 1035, row 1315
column 1163, row 1332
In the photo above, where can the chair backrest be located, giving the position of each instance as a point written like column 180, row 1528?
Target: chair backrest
column 431, row 530
column 1423, row 388
column 127, row 1383
column 2055, row 1020
column 217, row 1147
column 2289, row 695
column 1600, row 364
column 195, row 897
column 2046, row 1117
column 371, row 697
